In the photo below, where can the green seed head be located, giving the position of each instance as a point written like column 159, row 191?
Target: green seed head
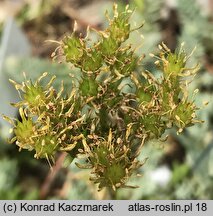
column 73, row 49
column 34, row 95
column 46, row 146
column 88, row 87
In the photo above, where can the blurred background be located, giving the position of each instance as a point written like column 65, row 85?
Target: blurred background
column 180, row 168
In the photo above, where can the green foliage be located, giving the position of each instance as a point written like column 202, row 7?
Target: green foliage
column 179, row 173
column 196, row 27
column 34, row 67
column 8, row 179
column 99, row 120
column 8, row 174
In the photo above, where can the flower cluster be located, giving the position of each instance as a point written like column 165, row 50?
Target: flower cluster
column 101, row 120
column 48, row 122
